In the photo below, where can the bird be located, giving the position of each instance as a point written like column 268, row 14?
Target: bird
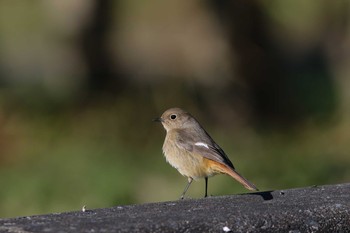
column 190, row 149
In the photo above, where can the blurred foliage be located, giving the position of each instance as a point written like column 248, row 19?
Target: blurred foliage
column 81, row 81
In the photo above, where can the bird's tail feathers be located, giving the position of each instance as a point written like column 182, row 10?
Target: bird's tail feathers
column 247, row 184
column 234, row 174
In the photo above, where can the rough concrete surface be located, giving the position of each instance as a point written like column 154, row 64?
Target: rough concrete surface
column 311, row 209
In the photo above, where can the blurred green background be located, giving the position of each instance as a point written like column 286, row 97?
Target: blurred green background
column 80, row 82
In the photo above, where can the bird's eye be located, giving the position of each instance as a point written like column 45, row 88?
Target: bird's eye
column 173, row 117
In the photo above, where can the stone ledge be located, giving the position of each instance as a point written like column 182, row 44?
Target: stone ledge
column 310, row 209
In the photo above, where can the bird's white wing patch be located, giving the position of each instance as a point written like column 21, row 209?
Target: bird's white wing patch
column 202, row 144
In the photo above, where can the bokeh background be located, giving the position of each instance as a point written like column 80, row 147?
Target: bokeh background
column 80, row 82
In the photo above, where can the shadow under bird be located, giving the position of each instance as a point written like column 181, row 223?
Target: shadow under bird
column 190, row 149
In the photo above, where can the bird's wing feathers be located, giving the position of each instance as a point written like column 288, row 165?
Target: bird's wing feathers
column 207, row 147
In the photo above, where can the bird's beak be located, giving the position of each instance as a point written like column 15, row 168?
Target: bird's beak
column 158, row 119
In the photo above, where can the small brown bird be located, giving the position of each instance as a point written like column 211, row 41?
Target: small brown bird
column 190, row 149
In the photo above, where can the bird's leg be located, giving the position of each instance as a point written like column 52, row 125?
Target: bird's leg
column 206, row 187
column 190, row 179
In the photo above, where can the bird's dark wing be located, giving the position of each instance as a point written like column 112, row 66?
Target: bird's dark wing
column 201, row 143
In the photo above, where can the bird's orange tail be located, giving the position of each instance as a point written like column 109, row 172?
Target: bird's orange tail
column 229, row 171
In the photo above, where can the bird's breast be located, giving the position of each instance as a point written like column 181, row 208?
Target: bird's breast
column 186, row 162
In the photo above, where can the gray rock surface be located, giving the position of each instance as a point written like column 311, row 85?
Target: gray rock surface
column 311, row 209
